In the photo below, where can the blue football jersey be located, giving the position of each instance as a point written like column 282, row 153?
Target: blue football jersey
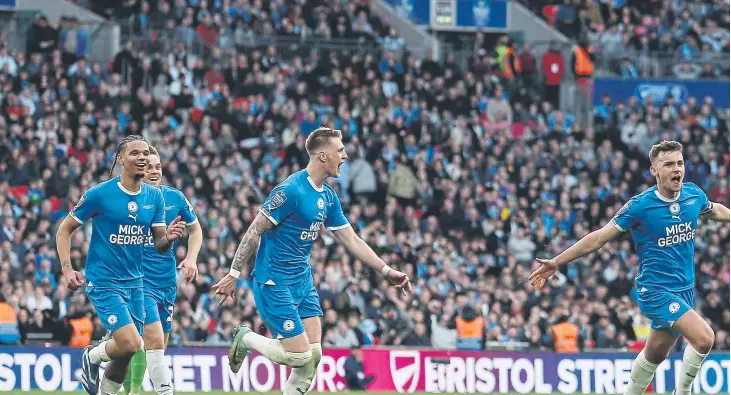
column 298, row 208
column 160, row 269
column 664, row 234
column 120, row 222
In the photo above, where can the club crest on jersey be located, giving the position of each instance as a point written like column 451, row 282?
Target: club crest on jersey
column 674, row 307
column 132, row 208
column 320, row 203
column 276, row 200
column 674, row 209
column 288, row 325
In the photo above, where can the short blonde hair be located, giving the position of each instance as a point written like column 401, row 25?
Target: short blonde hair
column 154, row 151
column 664, row 146
column 320, row 137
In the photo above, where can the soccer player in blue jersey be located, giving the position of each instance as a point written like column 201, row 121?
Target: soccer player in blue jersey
column 160, row 285
column 662, row 221
column 122, row 211
column 281, row 236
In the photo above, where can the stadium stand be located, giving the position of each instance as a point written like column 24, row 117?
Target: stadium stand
column 459, row 176
column 678, row 39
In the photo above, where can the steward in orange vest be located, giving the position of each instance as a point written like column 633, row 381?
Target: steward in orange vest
column 470, row 330
column 511, row 62
column 583, row 59
column 565, row 336
column 81, row 331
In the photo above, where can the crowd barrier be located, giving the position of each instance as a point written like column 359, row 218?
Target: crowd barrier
column 403, row 370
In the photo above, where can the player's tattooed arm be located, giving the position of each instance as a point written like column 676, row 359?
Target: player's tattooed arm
column 719, row 213
column 250, row 242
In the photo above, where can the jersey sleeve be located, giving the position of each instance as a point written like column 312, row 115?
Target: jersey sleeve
column 336, row 219
column 187, row 213
column 158, row 218
column 628, row 216
column 86, row 207
column 706, row 205
column 280, row 203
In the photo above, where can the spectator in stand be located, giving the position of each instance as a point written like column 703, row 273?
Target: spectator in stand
column 43, row 38
column 442, row 337
column 73, row 40
column 528, row 65
column 553, row 68
column 395, row 325
column 418, row 337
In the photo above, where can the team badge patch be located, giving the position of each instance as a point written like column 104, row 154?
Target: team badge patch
column 624, row 208
column 81, row 200
column 288, row 325
column 674, row 208
column 674, row 307
column 112, row 319
column 132, row 207
column 277, row 200
column 320, row 203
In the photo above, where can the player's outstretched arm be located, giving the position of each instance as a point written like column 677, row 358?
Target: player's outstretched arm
column 244, row 254
column 719, row 213
column 588, row 244
column 361, row 250
column 195, row 241
column 165, row 236
column 74, row 279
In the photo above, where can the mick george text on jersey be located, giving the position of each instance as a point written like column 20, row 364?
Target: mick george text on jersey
column 313, row 232
column 129, row 234
column 678, row 233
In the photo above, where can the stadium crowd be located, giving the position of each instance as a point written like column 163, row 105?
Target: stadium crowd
column 686, row 39
column 455, row 177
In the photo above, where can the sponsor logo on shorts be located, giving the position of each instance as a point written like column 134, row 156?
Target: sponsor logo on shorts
column 112, row 320
column 674, row 307
column 288, row 325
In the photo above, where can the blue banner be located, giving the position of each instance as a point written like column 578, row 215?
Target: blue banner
column 482, row 14
column 659, row 90
column 416, row 11
column 8, row 3
column 398, row 370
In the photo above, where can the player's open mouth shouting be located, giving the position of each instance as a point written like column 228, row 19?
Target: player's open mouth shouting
column 676, row 180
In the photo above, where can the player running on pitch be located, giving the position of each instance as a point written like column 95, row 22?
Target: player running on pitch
column 288, row 224
column 663, row 222
column 160, row 286
column 122, row 211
